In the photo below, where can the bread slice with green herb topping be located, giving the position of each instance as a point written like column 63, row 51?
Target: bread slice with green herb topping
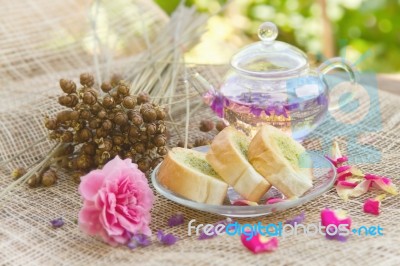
column 228, row 157
column 282, row 161
column 187, row 173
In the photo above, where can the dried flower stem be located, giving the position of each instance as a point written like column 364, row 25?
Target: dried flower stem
column 36, row 169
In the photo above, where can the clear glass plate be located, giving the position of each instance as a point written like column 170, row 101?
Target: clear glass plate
column 324, row 173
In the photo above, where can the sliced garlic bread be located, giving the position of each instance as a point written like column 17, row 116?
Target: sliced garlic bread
column 228, row 157
column 187, row 173
column 281, row 160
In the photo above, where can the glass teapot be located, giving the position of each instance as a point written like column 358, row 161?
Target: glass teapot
column 271, row 82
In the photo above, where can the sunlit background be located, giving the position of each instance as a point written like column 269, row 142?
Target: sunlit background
column 367, row 33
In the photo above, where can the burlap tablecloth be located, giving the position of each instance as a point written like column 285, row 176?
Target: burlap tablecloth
column 26, row 238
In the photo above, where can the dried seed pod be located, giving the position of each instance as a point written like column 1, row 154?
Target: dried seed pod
column 202, row 142
column 143, row 137
column 144, row 164
column 89, row 148
column 86, row 79
column 50, row 124
column 124, row 128
column 85, row 114
column 220, row 125
column 106, row 87
column 68, row 86
column 160, row 113
column 182, row 144
column 34, row 181
column 84, row 135
column 108, row 102
column 206, row 125
column 118, row 139
column 68, row 150
column 67, row 137
column 134, row 132
column 129, row 102
column 63, row 116
column 143, row 97
column 49, row 178
column 139, row 147
column 107, row 125
column 76, row 176
column 123, row 89
column 106, row 145
column 94, row 123
column 102, row 114
column 115, row 79
column 159, row 140
column 137, row 119
column 120, row 118
column 94, row 109
column 161, row 128
column 18, row 172
column 74, row 116
column 84, row 162
column 101, row 133
column 89, row 98
column 149, row 114
column 151, row 129
column 162, row 151
column 65, row 100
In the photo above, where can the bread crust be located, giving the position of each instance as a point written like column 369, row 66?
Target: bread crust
column 190, row 183
column 267, row 158
column 234, row 168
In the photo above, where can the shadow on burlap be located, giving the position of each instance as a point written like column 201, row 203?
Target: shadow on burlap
column 26, row 237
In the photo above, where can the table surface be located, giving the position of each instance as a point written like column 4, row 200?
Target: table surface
column 26, row 237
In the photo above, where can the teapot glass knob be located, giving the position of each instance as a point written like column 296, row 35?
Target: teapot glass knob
column 267, row 32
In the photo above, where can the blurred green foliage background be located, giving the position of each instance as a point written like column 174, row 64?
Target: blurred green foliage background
column 365, row 32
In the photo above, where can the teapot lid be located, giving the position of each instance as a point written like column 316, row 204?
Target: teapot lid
column 268, row 57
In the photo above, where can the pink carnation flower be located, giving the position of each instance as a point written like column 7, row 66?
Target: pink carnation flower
column 116, row 202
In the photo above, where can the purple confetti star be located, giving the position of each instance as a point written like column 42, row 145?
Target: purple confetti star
column 139, row 240
column 336, row 236
column 176, row 219
column 57, row 223
column 297, row 219
column 166, row 239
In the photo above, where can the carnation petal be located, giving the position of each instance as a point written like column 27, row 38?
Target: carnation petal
column 259, row 243
column 336, row 218
column 372, row 206
column 91, row 184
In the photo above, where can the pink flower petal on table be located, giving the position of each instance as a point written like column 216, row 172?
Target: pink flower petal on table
column 335, row 152
column 244, row 203
column 274, row 200
column 345, row 192
column 372, row 206
column 342, row 159
column 347, row 184
column 259, row 243
column 332, row 219
column 383, row 183
column 389, row 188
column 343, row 168
column 343, row 176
